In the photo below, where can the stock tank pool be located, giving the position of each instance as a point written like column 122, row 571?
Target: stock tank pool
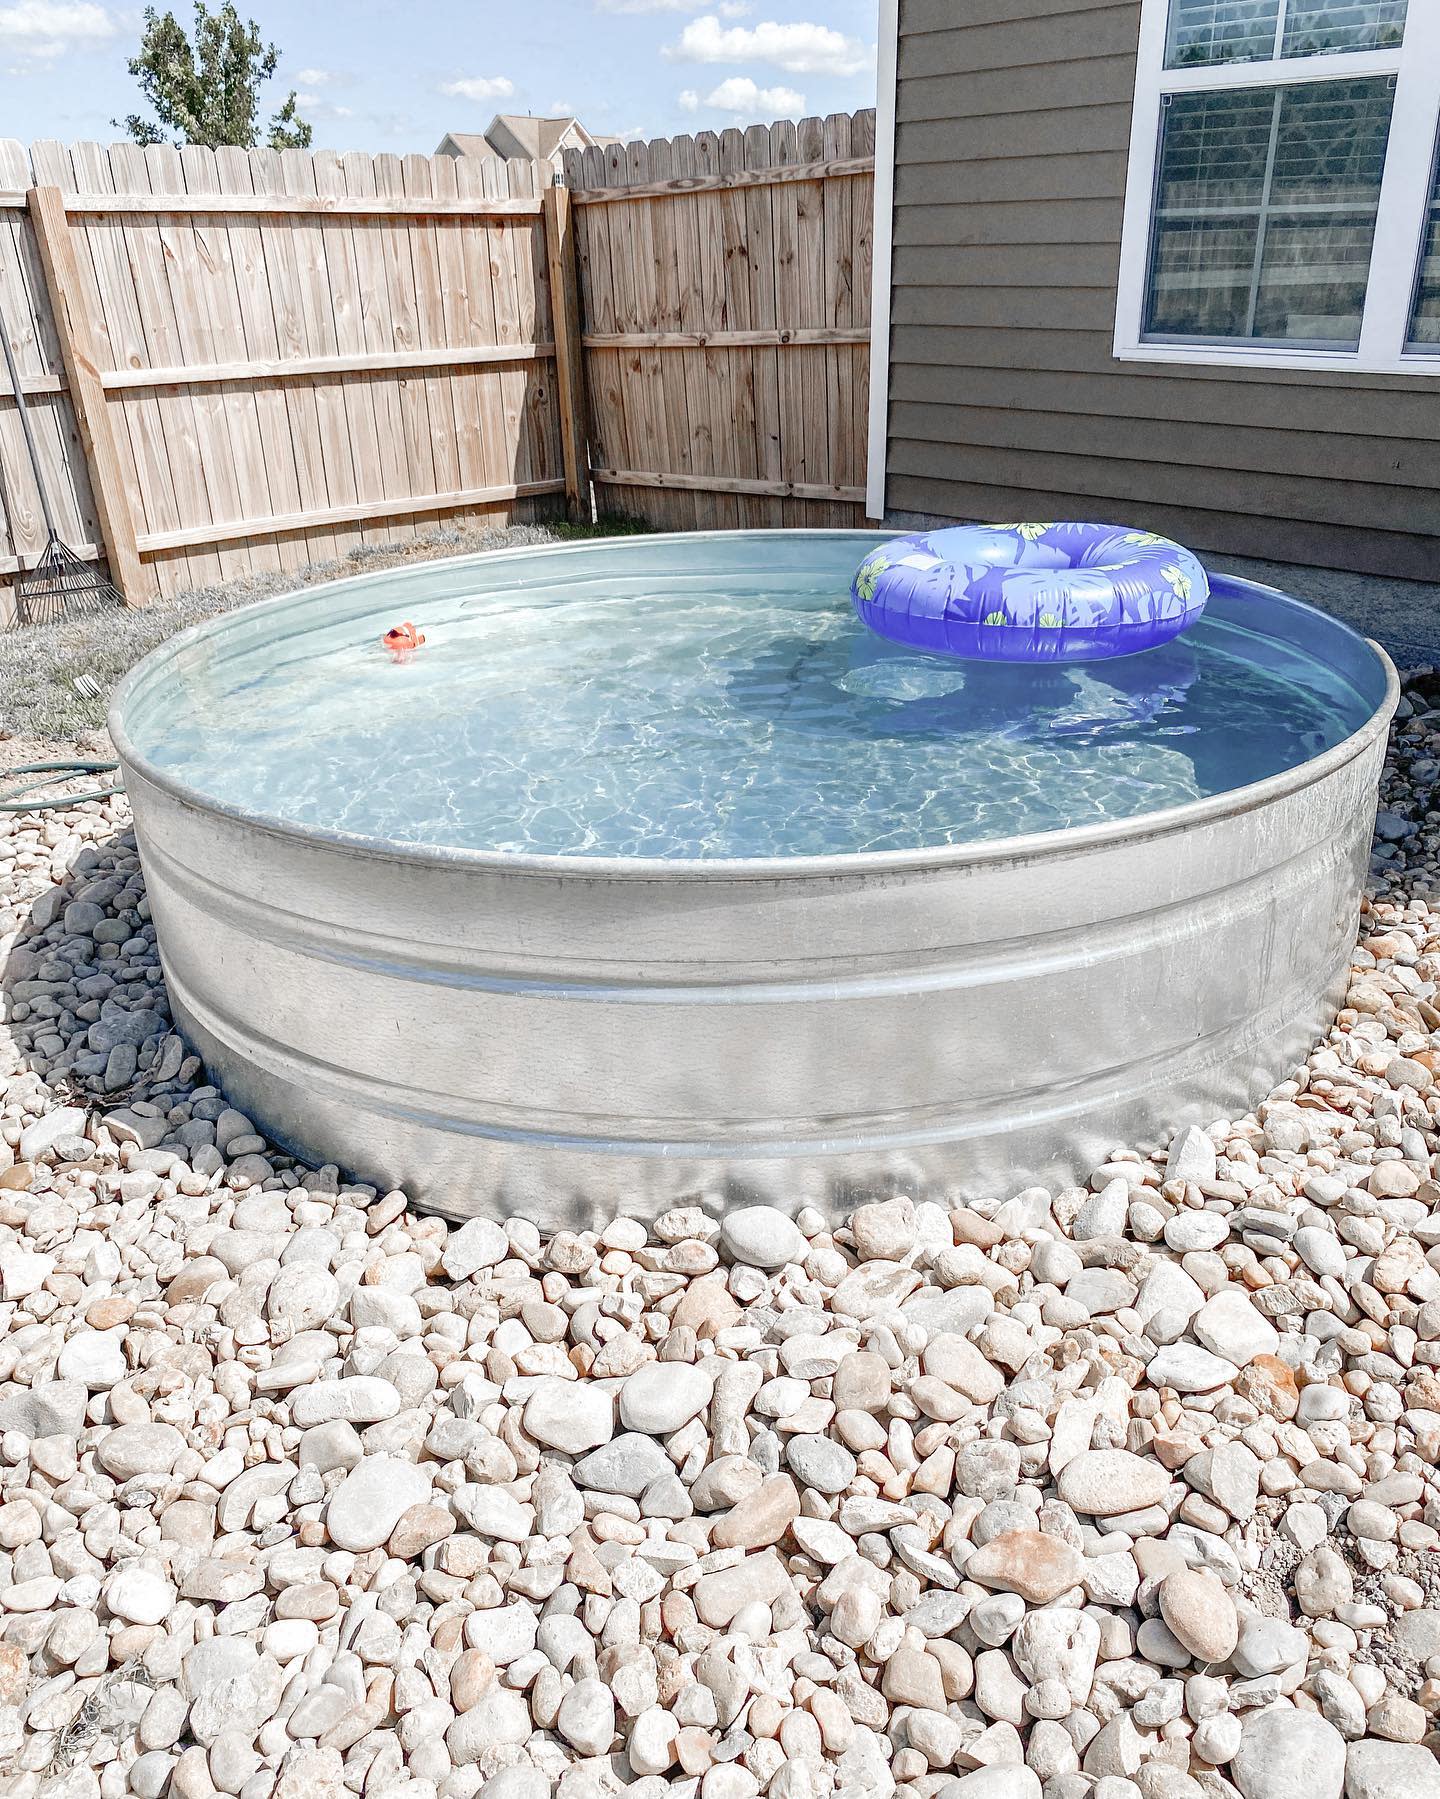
column 652, row 875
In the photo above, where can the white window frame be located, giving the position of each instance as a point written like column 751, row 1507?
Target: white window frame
column 881, row 253
column 1404, row 203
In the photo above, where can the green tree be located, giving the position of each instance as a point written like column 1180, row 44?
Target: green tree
column 208, row 91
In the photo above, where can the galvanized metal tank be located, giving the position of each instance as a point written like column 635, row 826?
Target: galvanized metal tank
column 570, row 1038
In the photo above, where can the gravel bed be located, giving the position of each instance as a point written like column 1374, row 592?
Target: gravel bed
column 1125, row 1491
column 39, row 667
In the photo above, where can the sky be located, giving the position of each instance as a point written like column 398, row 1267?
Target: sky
column 396, row 77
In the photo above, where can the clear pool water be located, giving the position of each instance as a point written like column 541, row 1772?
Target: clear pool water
column 659, row 701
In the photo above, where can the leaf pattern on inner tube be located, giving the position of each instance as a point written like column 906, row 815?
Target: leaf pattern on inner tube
column 869, row 574
column 1180, row 582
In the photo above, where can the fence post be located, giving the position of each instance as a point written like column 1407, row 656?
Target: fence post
column 569, row 374
column 87, row 392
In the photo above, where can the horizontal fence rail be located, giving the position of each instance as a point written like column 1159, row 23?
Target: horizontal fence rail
column 200, row 375
column 767, row 175
column 353, row 206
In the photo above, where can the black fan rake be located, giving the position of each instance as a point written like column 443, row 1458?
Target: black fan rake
column 61, row 584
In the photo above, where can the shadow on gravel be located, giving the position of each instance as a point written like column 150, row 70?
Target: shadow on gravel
column 83, row 995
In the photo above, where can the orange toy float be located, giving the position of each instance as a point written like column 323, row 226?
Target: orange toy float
column 402, row 641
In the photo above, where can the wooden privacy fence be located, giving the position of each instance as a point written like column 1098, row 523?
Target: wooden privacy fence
column 244, row 361
column 725, row 294
column 241, row 361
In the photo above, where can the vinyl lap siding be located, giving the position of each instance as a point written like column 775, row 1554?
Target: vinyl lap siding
column 1005, row 401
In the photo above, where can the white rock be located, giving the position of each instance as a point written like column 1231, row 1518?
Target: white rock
column 1103, row 1214
column 494, row 1513
column 23, row 1272
column 1168, row 1288
column 626, row 1466
column 884, row 1231
column 570, row 1415
column 139, row 1594
column 95, row 1357
column 1230, row 1325
column 508, row 1632
column 1268, row 1645
column 1192, row 1229
column 357, row 1399
column 1320, row 1250
column 1417, row 1633
column 479, row 1243
column 133, row 1449
column 63, row 1125
column 1189, row 1369
column 658, row 1398
column 1379, row 1770
column 1058, row 1644
column 957, row 1362
column 499, row 1719
column 1106, row 1482
column 761, row 1237
column 227, row 1685
column 1289, row 1754
column 1321, row 1404
column 812, row 1356
column 587, row 1717
column 1191, row 1158
column 302, row 1298
column 521, row 1781
column 1101, row 1290
column 1004, row 1780
column 369, row 1502
column 1306, row 1525
column 650, row 1746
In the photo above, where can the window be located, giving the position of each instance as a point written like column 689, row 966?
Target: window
column 1211, row 31
column 1425, row 319
column 1283, row 200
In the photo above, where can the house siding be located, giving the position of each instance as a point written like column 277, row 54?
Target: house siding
column 1012, row 139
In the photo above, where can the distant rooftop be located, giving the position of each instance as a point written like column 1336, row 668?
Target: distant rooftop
column 522, row 136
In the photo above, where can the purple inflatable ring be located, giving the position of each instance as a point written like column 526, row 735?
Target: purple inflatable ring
column 1030, row 593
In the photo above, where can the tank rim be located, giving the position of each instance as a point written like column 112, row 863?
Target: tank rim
column 1073, row 840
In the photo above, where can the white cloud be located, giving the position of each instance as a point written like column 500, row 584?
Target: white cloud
column 52, row 27
column 320, row 109
column 561, row 109
column 479, row 87
column 800, row 49
column 316, row 77
column 740, row 95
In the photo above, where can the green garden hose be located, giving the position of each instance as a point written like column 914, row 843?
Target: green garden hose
column 53, row 773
